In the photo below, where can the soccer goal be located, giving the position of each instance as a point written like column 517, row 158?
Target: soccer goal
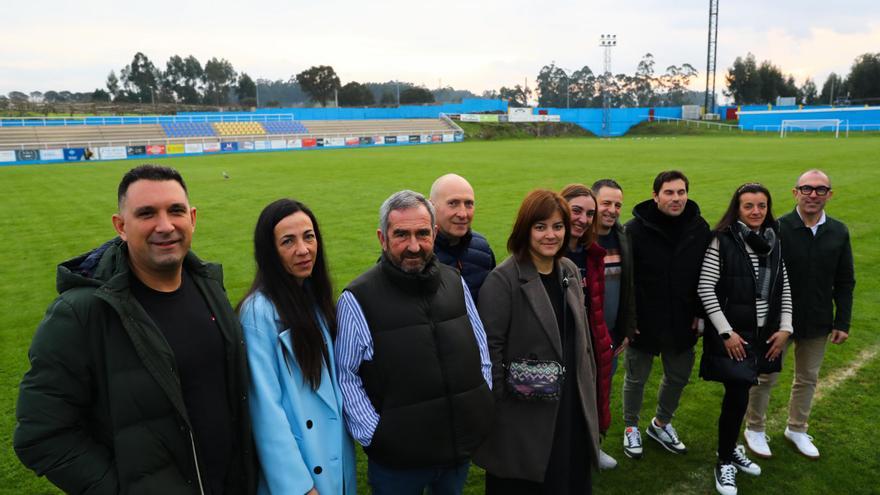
column 811, row 125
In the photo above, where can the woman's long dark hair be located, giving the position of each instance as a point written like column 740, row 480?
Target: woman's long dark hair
column 296, row 305
column 731, row 216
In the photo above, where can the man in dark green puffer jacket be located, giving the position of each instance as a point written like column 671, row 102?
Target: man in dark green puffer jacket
column 138, row 376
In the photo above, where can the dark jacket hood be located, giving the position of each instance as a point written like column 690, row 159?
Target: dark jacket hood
column 93, row 268
column 108, row 265
column 647, row 212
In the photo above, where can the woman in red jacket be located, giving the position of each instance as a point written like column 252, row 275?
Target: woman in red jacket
column 590, row 259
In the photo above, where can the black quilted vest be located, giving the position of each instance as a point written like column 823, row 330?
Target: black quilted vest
column 736, row 293
column 424, row 379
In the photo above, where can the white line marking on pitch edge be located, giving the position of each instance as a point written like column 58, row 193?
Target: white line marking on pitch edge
column 829, row 383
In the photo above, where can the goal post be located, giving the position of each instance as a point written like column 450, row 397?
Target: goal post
column 804, row 125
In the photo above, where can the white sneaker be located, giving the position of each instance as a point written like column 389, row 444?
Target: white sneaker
column 725, row 479
column 632, row 442
column 756, row 441
column 606, row 461
column 803, row 443
column 743, row 463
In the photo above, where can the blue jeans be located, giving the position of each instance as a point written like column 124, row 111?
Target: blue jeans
column 439, row 481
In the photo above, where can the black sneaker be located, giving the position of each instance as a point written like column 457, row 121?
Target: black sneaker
column 725, row 478
column 743, row 463
column 667, row 437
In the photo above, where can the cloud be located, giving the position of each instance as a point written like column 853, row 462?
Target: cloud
column 471, row 45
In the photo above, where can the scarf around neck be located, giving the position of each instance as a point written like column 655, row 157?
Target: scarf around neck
column 761, row 243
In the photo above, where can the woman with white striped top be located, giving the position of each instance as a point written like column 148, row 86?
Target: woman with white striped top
column 745, row 292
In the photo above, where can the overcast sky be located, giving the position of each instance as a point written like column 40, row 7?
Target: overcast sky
column 475, row 45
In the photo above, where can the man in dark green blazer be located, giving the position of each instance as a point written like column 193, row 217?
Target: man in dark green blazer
column 818, row 256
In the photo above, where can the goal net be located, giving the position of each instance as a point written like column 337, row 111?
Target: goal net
column 817, row 125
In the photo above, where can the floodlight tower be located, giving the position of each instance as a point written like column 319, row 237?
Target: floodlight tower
column 607, row 42
column 711, row 57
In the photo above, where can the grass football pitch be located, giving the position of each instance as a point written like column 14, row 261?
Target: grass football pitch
column 51, row 213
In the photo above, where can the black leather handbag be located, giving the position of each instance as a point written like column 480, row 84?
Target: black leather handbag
column 721, row 368
column 726, row 370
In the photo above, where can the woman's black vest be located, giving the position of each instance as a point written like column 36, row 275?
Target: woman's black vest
column 424, row 379
column 736, row 291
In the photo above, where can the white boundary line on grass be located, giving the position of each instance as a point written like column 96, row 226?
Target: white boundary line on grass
column 832, row 381
column 697, row 481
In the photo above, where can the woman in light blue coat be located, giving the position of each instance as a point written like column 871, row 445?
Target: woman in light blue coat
column 289, row 323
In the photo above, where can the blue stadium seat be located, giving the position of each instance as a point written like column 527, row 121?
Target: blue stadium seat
column 188, row 129
column 284, row 127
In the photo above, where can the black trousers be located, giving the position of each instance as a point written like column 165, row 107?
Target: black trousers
column 733, row 410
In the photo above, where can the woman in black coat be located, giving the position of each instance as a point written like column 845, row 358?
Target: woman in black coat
column 545, row 436
column 745, row 292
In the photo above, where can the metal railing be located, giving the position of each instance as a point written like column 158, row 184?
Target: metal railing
column 697, row 123
column 450, row 122
column 150, row 119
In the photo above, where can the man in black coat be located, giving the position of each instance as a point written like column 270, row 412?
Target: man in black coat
column 668, row 238
column 819, row 260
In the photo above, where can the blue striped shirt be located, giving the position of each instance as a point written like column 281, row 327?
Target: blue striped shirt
column 354, row 345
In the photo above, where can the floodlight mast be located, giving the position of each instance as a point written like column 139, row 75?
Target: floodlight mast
column 607, row 42
column 711, row 57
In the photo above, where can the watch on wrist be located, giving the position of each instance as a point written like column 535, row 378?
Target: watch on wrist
column 725, row 335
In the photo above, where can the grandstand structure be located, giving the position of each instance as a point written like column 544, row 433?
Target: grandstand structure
column 37, row 140
column 46, row 140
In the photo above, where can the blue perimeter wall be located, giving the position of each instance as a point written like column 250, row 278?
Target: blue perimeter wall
column 621, row 119
column 588, row 118
column 859, row 119
column 468, row 105
column 754, row 117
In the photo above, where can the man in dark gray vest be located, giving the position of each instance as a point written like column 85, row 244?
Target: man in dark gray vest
column 412, row 359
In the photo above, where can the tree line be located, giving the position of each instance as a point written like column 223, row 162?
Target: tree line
column 183, row 80
column 748, row 82
column 322, row 85
column 186, row 81
column 582, row 88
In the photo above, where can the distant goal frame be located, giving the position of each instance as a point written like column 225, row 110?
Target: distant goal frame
column 818, row 125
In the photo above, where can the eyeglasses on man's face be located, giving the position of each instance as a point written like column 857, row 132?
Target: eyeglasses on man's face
column 819, row 190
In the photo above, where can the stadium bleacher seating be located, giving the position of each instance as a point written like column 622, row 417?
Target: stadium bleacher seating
column 239, row 128
column 63, row 136
column 188, row 129
column 80, row 135
column 285, row 127
column 376, row 127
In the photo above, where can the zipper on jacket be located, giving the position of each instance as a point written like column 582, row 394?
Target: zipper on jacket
column 445, row 378
column 192, row 443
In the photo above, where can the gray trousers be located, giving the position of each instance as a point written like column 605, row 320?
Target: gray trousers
column 676, row 372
